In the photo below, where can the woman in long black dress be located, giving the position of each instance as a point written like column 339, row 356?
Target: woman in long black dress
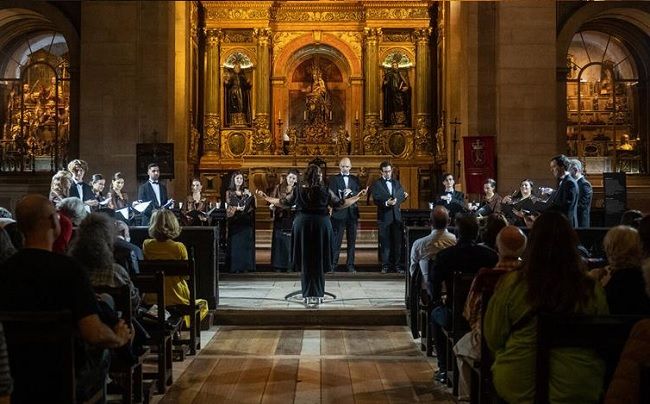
column 241, row 218
column 282, row 224
column 312, row 230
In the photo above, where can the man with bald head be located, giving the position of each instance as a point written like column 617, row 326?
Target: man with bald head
column 36, row 279
column 511, row 244
column 345, row 185
column 427, row 247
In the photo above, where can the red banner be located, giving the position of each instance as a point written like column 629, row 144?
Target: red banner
column 480, row 162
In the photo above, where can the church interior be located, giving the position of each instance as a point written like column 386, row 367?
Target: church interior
column 209, row 89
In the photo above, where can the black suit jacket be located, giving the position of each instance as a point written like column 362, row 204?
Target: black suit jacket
column 585, row 194
column 127, row 255
column 87, row 191
column 337, row 185
column 565, row 199
column 145, row 194
column 380, row 195
column 456, row 196
column 466, row 257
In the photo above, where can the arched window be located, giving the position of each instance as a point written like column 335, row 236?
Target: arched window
column 602, row 103
column 35, row 94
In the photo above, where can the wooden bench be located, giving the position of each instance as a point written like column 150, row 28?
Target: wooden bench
column 606, row 335
column 160, row 330
column 186, row 270
column 458, row 326
column 130, row 374
column 46, row 336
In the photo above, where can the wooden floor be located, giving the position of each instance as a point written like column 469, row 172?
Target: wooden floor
column 309, row 365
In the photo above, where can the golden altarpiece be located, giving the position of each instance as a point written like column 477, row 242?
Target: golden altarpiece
column 286, row 82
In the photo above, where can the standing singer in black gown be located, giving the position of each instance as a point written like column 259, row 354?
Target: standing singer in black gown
column 312, row 229
column 241, row 218
column 282, row 224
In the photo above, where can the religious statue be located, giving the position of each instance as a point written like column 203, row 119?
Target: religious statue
column 397, row 96
column 318, row 102
column 440, row 142
column 238, row 98
column 342, row 141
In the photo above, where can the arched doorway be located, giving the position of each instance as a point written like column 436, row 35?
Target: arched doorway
column 603, row 88
column 39, row 114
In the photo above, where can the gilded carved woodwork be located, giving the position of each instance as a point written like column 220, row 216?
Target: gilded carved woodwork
column 235, row 143
column 396, row 37
column 262, row 35
column 282, row 39
column 262, row 138
column 398, row 142
column 232, row 11
column 211, row 133
column 372, row 143
column 193, row 147
column 213, row 37
column 423, row 141
column 422, row 35
column 402, row 13
column 307, row 15
column 238, row 36
column 371, row 35
column 353, row 39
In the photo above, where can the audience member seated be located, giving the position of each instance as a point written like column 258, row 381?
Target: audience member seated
column 5, row 217
column 510, row 243
column 631, row 218
column 622, row 278
column 7, row 248
column 553, row 279
column 644, row 234
column 60, row 186
column 71, row 212
column 494, row 222
column 164, row 228
column 126, row 253
column 467, row 257
column 626, row 382
column 427, row 247
column 92, row 247
column 35, row 279
column 5, row 374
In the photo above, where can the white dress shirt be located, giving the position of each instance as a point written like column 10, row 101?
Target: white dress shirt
column 156, row 190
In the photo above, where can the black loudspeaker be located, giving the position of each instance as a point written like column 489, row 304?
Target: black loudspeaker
column 159, row 153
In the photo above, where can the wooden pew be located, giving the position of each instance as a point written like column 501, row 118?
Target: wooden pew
column 160, row 332
column 411, row 233
column 458, row 326
column 47, row 336
column 129, row 373
column 184, row 269
column 606, row 335
column 204, row 240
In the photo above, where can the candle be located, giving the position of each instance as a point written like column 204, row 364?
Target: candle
column 381, row 115
column 304, row 115
column 279, row 115
column 356, row 115
column 330, row 115
column 458, row 154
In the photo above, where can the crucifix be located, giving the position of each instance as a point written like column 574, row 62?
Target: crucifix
column 454, row 153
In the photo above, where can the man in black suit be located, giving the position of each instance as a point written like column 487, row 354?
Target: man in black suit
column 585, row 192
column 79, row 188
column 152, row 191
column 126, row 253
column 388, row 194
column 565, row 198
column 452, row 200
column 466, row 256
column 345, row 185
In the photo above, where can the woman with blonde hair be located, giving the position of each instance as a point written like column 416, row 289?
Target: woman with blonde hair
column 60, row 186
column 623, row 278
column 164, row 228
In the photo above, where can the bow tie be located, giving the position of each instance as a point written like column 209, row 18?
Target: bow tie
column 345, row 175
column 154, row 182
column 388, row 180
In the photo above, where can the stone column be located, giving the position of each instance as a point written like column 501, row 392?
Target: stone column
column 212, row 120
column 423, row 143
column 262, row 94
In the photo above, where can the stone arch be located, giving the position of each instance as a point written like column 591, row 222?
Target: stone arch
column 630, row 25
